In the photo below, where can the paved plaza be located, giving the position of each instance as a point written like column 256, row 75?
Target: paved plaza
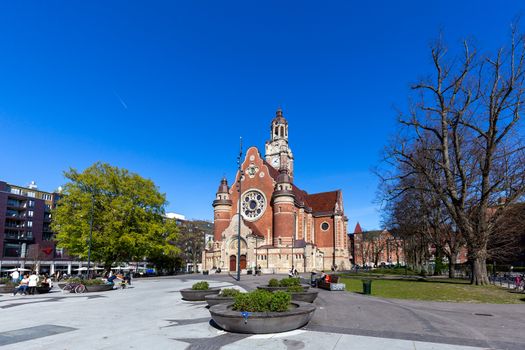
column 151, row 315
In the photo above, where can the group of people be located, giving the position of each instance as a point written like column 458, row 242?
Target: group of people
column 27, row 283
column 125, row 278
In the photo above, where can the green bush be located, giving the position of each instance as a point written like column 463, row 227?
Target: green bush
column 73, row 280
column 93, row 282
column 288, row 282
column 280, row 301
column 203, row 285
column 262, row 301
column 295, row 289
column 7, row 281
column 229, row 292
column 273, row 283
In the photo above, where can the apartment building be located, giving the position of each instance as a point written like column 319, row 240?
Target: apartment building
column 26, row 239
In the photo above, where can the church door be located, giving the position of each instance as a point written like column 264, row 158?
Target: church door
column 233, row 263
column 243, row 262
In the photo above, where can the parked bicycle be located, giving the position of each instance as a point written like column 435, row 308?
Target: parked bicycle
column 74, row 287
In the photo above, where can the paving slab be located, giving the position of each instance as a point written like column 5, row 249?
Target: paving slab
column 153, row 315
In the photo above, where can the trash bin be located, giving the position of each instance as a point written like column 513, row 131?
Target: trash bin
column 313, row 279
column 367, row 286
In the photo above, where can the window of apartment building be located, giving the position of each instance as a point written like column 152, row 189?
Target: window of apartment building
column 30, row 224
column 31, row 194
column 30, row 213
column 12, row 250
column 48, row 207
column 47, row 236
column 29, row 234
column 46, row 196
column 15, row 190
column 31, row 203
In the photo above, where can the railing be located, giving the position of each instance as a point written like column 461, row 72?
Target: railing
column 507, row 282
column 20, row 237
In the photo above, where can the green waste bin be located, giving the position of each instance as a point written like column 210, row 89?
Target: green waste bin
column 367, row 286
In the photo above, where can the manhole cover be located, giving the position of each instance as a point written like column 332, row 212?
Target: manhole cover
column 483, row 314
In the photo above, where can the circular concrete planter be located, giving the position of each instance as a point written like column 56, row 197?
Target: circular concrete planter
column 197, row 295
column 6, row 289
column 274, row 289
column 99, row 288
column 214, row 299
column 307, row 296
column 299, row 314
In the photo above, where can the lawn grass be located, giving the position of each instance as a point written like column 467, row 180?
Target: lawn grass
column 437, row 290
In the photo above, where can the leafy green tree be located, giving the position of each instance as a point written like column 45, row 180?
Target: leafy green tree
column 126, row 212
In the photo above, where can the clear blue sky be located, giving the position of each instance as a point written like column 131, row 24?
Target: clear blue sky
column 165, row 88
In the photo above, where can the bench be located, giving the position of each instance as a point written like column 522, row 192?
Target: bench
column 326, row 285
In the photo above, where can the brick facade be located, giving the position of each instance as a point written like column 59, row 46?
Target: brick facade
column 281, row 224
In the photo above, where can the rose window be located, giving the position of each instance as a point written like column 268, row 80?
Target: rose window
column 253, row 205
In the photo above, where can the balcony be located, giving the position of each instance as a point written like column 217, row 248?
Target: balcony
column 15, row 204
column 21, row 236
column 15, row 217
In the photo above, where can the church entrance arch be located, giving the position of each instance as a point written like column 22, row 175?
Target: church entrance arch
column 233, row 262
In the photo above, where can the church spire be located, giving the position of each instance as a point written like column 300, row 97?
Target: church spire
column 279, row 126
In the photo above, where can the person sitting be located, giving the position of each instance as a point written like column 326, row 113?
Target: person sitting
column 23, row 286
column 320, row 279
column 47, row 282
column 290, row 273
column 111, row 279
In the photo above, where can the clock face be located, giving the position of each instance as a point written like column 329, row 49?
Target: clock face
column 253, row 205
column 275, row 162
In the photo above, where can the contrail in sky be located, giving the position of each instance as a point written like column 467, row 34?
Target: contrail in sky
column 121, row 100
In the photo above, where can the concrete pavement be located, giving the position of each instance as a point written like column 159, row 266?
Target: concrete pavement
column 152, row 315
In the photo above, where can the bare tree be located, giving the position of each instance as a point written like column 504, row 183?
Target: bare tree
column 461, row 137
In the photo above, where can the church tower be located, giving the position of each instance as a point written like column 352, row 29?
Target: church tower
column 283, row 210
column 222, row 206
column 277, row 151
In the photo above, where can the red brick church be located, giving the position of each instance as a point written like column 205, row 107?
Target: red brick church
column 281, row 225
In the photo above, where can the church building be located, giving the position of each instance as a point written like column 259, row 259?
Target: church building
column 281, row 225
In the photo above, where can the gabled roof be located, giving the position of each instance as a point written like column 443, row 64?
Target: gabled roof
column 323, row 202
column 319, row 202
column 358, row 228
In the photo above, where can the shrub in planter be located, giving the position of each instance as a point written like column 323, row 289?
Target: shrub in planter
column 295, row 289
column 93, row 282
column 198, row 291
column 262, row 301
column 74, row 280
column 262, row 312
column 7, row 282
column 225, row 296
column 229, row 292
column 273, row 282
column 203, row 285
column 287, row 282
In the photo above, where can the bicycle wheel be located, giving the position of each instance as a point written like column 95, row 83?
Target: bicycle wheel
column 67, row 288
column 80, row 289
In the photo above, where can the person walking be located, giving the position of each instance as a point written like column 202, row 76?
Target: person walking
column 15, row 276
column 33, row 281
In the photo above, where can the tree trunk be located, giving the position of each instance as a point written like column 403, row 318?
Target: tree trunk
column 452, row 265
column 479, row 271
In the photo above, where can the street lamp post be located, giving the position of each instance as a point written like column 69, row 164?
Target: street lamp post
column 90, row 232
column 293, row 238
column 239, row 212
